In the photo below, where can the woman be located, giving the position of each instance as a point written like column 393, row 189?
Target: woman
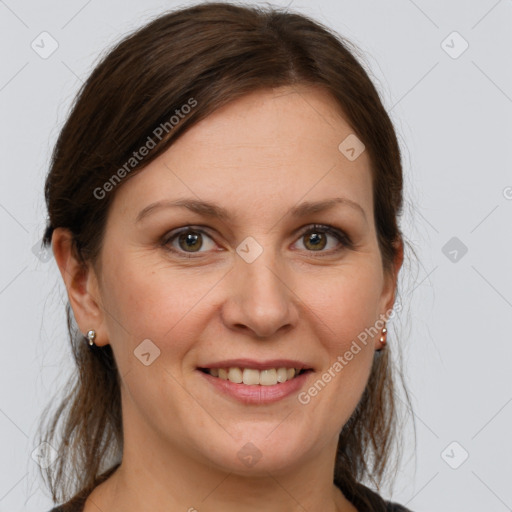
column 223, row 203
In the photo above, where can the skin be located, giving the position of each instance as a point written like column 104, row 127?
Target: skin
column 258, row 157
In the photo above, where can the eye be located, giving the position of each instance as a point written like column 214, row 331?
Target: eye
column 189, row 240
column 316, row 239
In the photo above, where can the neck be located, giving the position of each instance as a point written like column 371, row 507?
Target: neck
column 134, row 491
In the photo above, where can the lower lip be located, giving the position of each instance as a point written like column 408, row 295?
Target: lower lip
column 257, row 394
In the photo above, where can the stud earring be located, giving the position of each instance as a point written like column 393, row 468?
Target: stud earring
column 382, row 339
column 91, row 336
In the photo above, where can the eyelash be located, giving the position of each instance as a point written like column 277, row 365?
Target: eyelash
column 314, row 228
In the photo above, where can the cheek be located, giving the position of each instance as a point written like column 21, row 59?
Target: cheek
column 346, row 303
column 152, row 301
column 346, row 312
column 343, row 310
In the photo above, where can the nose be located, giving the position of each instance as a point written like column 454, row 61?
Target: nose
column 259, row 298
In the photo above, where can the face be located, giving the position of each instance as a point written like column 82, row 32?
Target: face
column 269, row 284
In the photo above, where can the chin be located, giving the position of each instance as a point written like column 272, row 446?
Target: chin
column 260, row 452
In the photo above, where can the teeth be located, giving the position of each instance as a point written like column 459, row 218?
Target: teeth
column 253, row 377
column 268, row 377
column 235, row 375
column 282, row 374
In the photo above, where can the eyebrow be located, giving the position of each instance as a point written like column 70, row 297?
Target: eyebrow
column 209, row 209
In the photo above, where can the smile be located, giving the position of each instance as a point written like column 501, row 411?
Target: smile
column 254, row 377
column 252, row 386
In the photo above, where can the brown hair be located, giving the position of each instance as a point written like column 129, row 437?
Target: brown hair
column 211, row 53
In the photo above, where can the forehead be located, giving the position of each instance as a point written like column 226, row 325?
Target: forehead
column 265, row 150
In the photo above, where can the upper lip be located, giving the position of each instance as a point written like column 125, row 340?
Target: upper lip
column 259, row 365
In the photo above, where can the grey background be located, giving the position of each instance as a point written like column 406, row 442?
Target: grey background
column 453, row 117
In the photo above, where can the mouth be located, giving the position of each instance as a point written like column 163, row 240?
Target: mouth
column 254, row 376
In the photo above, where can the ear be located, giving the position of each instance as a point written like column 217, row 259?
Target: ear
column 390, row 280
column 81, row 285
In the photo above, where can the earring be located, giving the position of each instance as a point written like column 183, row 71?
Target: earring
column 382, row 339
column 91, row 335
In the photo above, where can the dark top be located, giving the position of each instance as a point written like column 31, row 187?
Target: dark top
column 371, row 502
